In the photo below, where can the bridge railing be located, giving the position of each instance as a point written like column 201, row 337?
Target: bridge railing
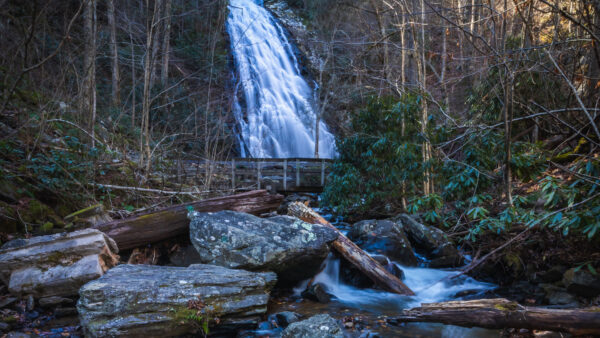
column 281, row 174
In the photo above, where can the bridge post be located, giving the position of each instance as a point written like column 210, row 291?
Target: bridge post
column 258, row 173
column 233, row 174
column 322, row 173
column 285, row 174
column 297, row 173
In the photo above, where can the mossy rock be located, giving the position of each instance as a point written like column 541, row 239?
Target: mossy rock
column 36, row 212
column 47, row 227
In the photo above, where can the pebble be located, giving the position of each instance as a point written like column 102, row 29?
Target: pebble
column 7, row 301
column 30, row 303
column 32, row 315
column 4, row 327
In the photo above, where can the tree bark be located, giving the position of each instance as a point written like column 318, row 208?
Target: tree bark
column 172, row 221
column 116, row 76
column 355, row 255
column 164, row 75
column 150, row 60
column 501, row 313
column 88, row 88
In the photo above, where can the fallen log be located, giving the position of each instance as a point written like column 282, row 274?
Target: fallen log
column 172, row 221
column 501, row 313
column 351, row 252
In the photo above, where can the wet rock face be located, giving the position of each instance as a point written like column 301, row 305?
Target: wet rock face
column 56, row 265
column 433, row 241
column 582, row 282
column 286, row 245
column 144, row 300
column 384, row 237
column 319, row 326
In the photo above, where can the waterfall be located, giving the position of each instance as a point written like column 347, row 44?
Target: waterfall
column 278, row 118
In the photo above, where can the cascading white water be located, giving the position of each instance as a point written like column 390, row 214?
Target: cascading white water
column 278, row 119
column 429, row 285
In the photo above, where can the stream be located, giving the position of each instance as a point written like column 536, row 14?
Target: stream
column 368, row 309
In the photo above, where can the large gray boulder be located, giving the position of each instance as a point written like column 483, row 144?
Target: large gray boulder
column 56, row 265
column 582, row 282
column 286, row 245
column 433, row 241
column 159, row 301
column 384, row 237
column 319, row 326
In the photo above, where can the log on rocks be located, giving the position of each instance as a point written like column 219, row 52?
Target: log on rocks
column 172, row 221
column 163, row 301
column 56, row 265
column 501, row 313
column 351, row 252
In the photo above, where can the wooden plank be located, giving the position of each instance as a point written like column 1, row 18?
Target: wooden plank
column 297, row 173
column 322, row 173
column 258, row 178
column 285, row 174
column 302, row 159
column 233, row 174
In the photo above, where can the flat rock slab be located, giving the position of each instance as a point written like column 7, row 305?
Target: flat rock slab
column 56, row 265
column 286, row 245
column 159, row 301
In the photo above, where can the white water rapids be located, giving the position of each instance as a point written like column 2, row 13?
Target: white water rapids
column 429, row 285
column 278, row 118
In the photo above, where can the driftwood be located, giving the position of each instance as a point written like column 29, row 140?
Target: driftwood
column 172, row 221
column 501, row 313
column 355, row 255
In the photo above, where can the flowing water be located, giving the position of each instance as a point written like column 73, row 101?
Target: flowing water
column 277, row 115
column 373, row 306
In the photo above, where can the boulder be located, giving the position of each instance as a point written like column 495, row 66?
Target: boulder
column 56, row 265
column 319, row 326
column 286, row 245
column 384, row 237
column 432, row 241
column 283, row 208
column 317, row 292
column 582, row 282
column 159, row 301
column 555, row 295
column 286, row 318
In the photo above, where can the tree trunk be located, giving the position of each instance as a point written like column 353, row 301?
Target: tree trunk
column 502, row 313
column 355, row 255
column 88, row 88
column 116, row 76
column 172, row 221
column 164, row 75
column 150, row 60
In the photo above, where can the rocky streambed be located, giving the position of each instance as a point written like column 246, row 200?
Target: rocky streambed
column 241, row 275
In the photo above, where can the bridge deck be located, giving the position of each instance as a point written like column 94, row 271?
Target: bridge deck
column 278, row 174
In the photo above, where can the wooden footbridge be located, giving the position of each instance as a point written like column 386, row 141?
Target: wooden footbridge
column 284, row 175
